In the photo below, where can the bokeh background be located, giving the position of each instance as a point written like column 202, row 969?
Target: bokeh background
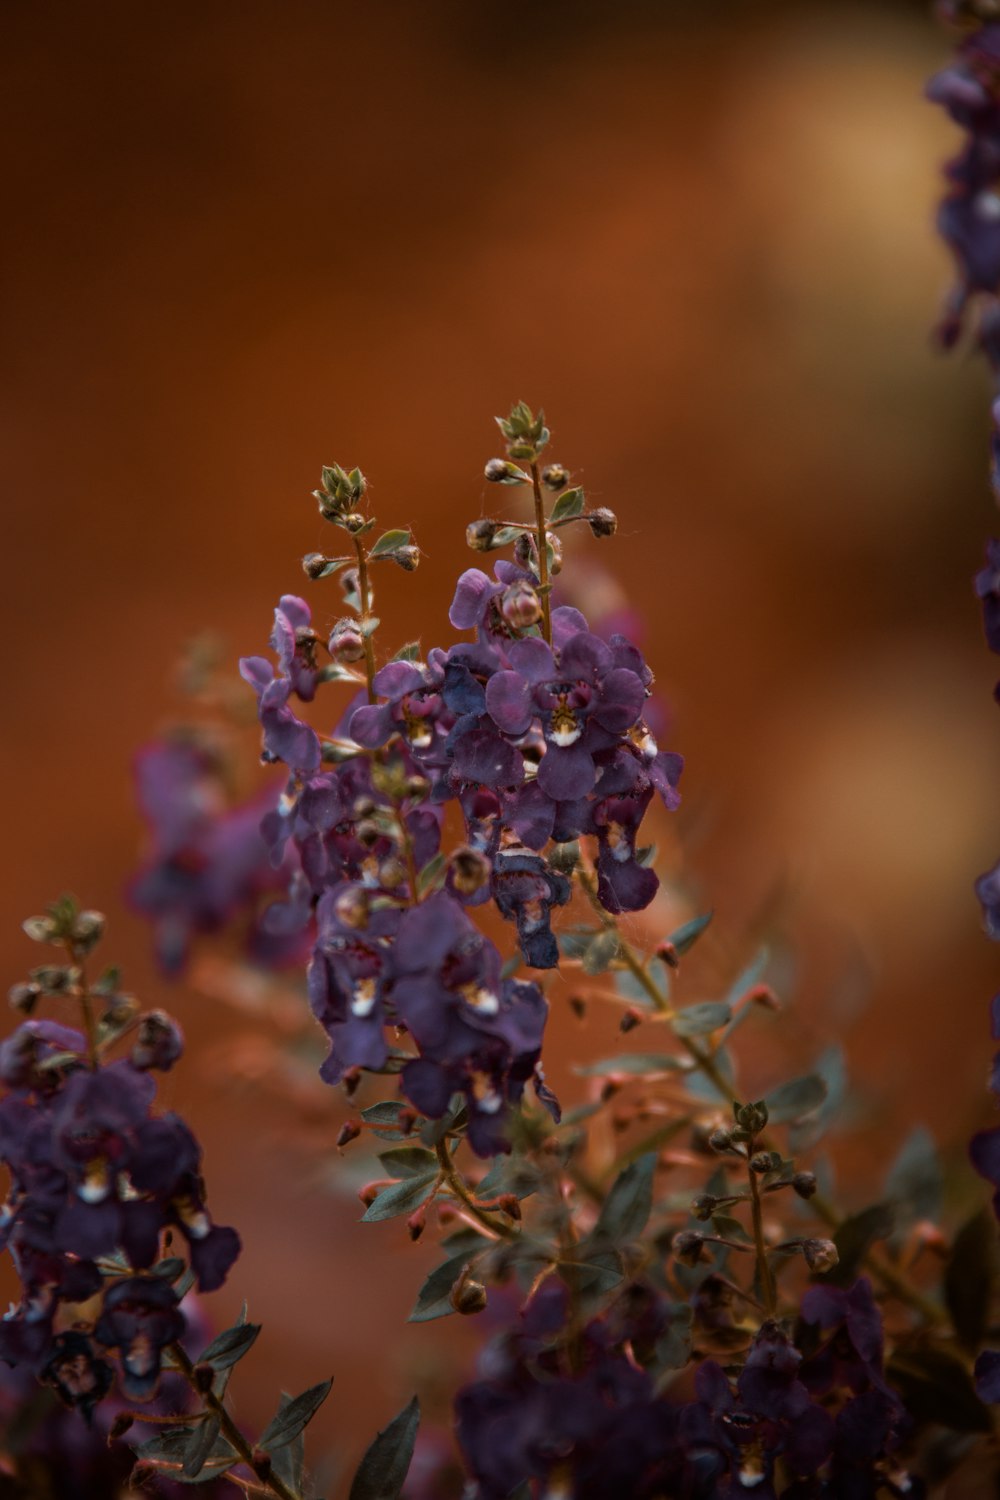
column 245, row 240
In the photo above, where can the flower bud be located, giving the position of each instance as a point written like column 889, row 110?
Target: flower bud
column 261, row 1460
column 479, row 535
column 751, row 1117
column 470, row 870
column 578, row 1006
column 721, row 1140
column 40, row 929
column 564, row 857
column 555, row 477
column 468, row 1297
column 391, row 873
column 520, row 605
column 406, row 557
column 23, row 997
column 764, row 1161
column 602, row 522
column 688, row 1247
column 368, row 833
column 821, row 1255
column 159, row 1043
column 630, row 1020
column 314, row 565
column 88, row 929
column 417, row 1223
column 353, row 522
column 669, row 954
column 804, row 1183
column 346, row 642
column 349, row 1131
column 120, row 1426
column 704, row 1206
column 508, row 1204
column 203, row 1377
column 496, row 470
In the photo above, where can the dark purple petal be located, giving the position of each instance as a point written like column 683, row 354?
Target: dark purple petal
column 620, row 701
column 213, row 1255
column 372, row 725
column 472, row 594
column 427, row 1086
column 482, row 756
column 565, row 773
column 566, row 621
column 585, row 656
column 987, row 1373
column 509, row 702
column 530, row 814
column 398, row 678
column 533, row 658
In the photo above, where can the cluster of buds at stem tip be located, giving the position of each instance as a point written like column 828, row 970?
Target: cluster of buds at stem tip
column 750, row 1119
column 525, row 432
column 340, row 492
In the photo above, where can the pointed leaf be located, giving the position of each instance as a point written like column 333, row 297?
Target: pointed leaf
column 229, row 1347
column 639, row 1064
column 569, row 505
column 294, row 1415
column 383, row 1470
column 408, row 1161
column 200, row 1448
column 433, row 1299
column 627, row 1207
column 389, row 541
column 401, row 1198
column 687, row 935
column 795, row 1099
column 699, row 1020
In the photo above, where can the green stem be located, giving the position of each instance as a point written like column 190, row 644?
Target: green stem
column 273, row 1482
column 543, row 554
column 364, row 594
column 456, row 1183
column 765, row 1275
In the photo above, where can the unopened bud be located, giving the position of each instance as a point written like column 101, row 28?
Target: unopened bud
column 368, row 833
column 751, row 1117
column 314, row 565
column 669, row 954
column 370, row 1192
column 763, row 995
column 261, row 1460
column 23, row 997
column 159, row 1043
column 479, row 535
column 688, row 1247
column 820, row 1255
column 602, row 522
column 406, row 558
column 354, row 521
column 468, row 1297
column 520, row 605
column 764, row 1161
column 704, row 1206
column 508, row 1204
column 496, row 470
column 346, row 643
column 417, row 1223
column 555, row 477
column 470, row 871
column 630, row 1020
column 119, row 1426
column 721, row 1140
column 88, row 929
column 564, row 857
column 578, row 1006
column 349, row 1131
column 804, row 1183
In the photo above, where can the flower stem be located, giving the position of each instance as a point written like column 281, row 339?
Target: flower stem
column 364, row 594
column 765, row 1275
column 273, row 1483
column 455, row 1182
column 544, row 587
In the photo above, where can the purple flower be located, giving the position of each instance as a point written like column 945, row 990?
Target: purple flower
column 477, row 604
column 988, row 590
column 851, row 1355
column 294, row 641
column 286, row 738
column 525, row 890
column 75, row 1372
column 140, row 1317
column 988, row 891
column 347, row 979
column 984, row 1153
column 412, row 709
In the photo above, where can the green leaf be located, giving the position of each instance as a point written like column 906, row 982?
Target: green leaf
column 569, row 505
column 331, row 565
column 795, row 1099
column 289, row 1461
column 383, row 1470
column 630, row 988
column 431, row 875
column 409, row 652
column 639, row 1064
column 673, row 1348
column 688, row 934
column 915, row 1181
column 627, row 1207
column 230, row 1346
column 433, row 1299
column 601, row 953
column 699, row 1020
column 389, row 541
column 175, row 1445
column 730, row 1228
column 854, row 1237
column 937, row 1389
column 510, row 1174
column 408, row 1161
column 384, row 1118
column 203, row 1441
column 400, row 1198
column 294, row 1415
column 968, row 1278
column 369, row 625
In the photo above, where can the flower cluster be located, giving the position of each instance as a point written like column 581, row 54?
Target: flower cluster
column 100, row 1184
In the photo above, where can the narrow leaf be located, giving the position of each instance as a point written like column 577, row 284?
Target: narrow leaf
column 200, row 1448
column 230, row 1346
column 699, row 1020
column 627, row 1207
column 290, row 1418
column 433, row 1299
column 401, row 1198
column 639, row 1064
column 795, row 1099
column 383, row 1470
column 686, row 936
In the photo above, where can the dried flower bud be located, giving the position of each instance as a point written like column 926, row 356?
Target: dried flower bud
column 704, row 1206
column 349, row 1131
column 630, row 1020
column 468, row 1297
column 751, row 1118
column 351, row 907
column 417, row 1223
column 23, row 997
column 804, row 1183
column 496, row 470
column 721, row 1140
column 820, row 1255
column 159, row 1043
column 555, row 477
column 88, row 929
column 688, row 1247
column 406, row 557
column 120, row 1426
column 764, row 1161
column 479, row 535
column 520, row 605
column 314, row 565
column 602, row 522
column 470, row 870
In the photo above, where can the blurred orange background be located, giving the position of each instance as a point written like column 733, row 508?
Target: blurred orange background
column 247, row 240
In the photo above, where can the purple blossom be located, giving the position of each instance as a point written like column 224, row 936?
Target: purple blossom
column 988, row 891
column 412, row 709
column 140, row 1317
column 286, row 738
column 987, row 585
column 477, row 604
column 294, row 642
